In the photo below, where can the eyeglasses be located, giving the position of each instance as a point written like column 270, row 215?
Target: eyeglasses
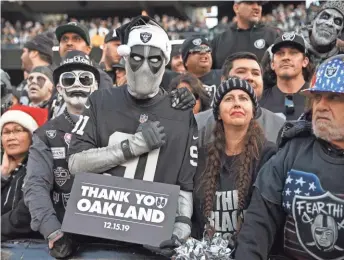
column 289, row 104
column 16, row 132
column 69, row 79
column 200, row 49
column 40, row 80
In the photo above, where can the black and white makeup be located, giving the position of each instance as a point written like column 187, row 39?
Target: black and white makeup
column 39, row 87
column 145, row 68
column 327, row 26
column 75, row 87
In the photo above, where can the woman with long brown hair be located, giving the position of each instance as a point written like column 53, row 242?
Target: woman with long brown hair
column 228, row 166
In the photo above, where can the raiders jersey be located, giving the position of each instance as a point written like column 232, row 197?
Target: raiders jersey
column 113, row 114
column 210, row 82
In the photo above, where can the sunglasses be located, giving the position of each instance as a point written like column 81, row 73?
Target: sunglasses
column 200, row 49
column 69, row 79
column 289, row 104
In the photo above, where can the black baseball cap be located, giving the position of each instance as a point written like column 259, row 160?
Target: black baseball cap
column 112, row 36
column 192, row 43
column 75, row 60
column 289, row 39
column 73, row 27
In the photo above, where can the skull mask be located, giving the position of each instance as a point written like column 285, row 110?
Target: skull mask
column 327, row 26
column 145, row 68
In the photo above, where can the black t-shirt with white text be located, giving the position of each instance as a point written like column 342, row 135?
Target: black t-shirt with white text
column 223, row 217
column 113, row 114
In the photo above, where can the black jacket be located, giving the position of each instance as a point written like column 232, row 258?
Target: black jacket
column 257, row 40
column 15, row 216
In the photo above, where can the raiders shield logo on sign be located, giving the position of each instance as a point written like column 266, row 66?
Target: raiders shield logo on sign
column 319, row 224
column 51, row 133
column 331, row 71
column 145, row 37
column 288, row 36
column 143, row 118
column 160, row 202
column 61, row 175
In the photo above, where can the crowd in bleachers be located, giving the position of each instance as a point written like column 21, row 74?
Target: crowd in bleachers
column 286, row 18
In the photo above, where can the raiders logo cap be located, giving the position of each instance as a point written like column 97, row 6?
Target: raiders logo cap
column 73, row 27
column 290, row 39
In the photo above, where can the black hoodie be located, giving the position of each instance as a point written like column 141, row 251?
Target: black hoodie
column 256, row 40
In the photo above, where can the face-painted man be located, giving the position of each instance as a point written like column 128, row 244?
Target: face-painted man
column 138, row 118
column 322, row 34
column 40, row 86
column 49, row 182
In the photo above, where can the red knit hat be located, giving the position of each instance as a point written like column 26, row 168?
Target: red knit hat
column 28, row 117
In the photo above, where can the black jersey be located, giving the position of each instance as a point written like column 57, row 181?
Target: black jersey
column 210, row 82
column 115, row 114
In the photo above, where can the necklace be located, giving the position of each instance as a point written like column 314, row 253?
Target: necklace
column 68, row 117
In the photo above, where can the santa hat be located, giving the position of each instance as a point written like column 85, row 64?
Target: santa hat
column 28, row 117
column 143, row 30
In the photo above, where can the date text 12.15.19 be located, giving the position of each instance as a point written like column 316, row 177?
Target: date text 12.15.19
column 115, row 226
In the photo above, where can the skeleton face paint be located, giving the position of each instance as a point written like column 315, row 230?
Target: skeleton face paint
column 75, row 87
column 327, row 26
column 145, row 68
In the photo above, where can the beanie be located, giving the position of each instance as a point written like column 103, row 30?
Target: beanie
column 143, row 30
column 42, row 43
column 28, row 117
column 48, row 72
column 228, row 85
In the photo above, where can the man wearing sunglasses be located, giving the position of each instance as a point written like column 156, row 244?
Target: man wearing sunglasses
column 49, row 182
column 196, row 54
column 40, row 86
column 289, row 61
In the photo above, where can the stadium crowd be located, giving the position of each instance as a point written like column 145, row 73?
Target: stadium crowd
column 284, row 17
column 249, row 125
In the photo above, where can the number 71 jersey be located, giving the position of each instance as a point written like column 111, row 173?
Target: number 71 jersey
column 112, row 115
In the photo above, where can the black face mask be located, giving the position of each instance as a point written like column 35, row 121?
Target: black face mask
column 140, row 53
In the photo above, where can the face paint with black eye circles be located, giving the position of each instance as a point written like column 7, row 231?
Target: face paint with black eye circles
column 152, row 55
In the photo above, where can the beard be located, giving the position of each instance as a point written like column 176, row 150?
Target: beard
column 328, row 131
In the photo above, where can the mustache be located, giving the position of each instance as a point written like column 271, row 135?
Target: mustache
column 78, row 93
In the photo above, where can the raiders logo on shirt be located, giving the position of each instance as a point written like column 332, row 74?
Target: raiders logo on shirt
column 318, row 216
column 259, row 44
column 211, row 90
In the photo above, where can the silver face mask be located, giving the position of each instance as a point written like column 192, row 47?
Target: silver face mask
column 76, row 86
column 327, row 27
column 145, row 68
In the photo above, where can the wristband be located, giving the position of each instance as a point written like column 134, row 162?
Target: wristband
column 183, row 219
column 126, row 150
column 55, row 234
